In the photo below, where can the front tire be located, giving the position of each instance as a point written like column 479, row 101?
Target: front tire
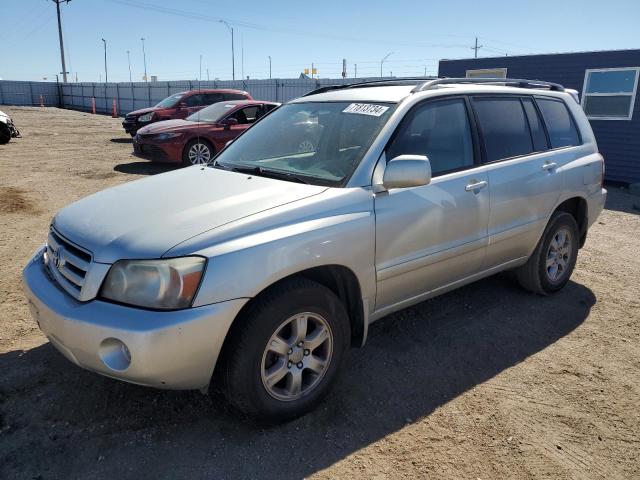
column 282, row 357
column 197, row 152
column 550, row 266
column 5, row 134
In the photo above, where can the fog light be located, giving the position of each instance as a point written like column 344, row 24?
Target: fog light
column 115, row 354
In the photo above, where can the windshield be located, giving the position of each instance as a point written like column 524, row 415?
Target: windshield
column 212, row 113
column 170, row 101
column 321, row 142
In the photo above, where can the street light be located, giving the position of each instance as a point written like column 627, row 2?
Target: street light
column 129, row 60
column 144, row 57
column 233, row 55
column 106, row 77
column 383, row 59
column 269, row 67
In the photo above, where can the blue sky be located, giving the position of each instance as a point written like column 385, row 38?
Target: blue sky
column 295, row 34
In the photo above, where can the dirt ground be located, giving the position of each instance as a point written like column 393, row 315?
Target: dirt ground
column 486, row 382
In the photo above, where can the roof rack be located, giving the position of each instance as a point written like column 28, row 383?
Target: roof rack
column 426, row 83
column 516, row 82
column 373, row 83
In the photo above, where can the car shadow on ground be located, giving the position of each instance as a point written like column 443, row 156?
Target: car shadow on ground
column 145, row 168
column 84, row 425
column 121, row 140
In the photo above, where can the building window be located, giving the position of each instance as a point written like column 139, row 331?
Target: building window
column 487, row 73
column 610, row 93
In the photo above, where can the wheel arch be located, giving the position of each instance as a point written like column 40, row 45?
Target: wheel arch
column 202, row 138
column 577, row 207
column 340, row 280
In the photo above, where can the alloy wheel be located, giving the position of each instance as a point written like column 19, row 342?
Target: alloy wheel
column 559, row 255
column 199, row 154
column 297, row 356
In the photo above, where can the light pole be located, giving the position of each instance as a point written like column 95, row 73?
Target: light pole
column 269, row 67
column 383, row 59
column 106, row 76
column 129, row 61
column 233, row 55
column 144, row 57
column 64, row 67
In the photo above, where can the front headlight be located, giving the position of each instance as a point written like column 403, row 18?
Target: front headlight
column 146, row 117
column 161, row 284
column 167, row 136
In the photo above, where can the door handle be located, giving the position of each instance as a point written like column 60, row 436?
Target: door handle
column 549, row 166
column 476, row 186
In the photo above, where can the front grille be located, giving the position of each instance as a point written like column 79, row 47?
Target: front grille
column 67, row 263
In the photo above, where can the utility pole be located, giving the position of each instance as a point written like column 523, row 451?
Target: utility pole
column 233, row 55
column 207, row 74
column 200, row 74
column 425, row 71
column 476, row 48
column 106, row 75
column 144, row 57
column 129, row 61
column 269, row 67
column 242, row 56
column 382, row 61
column 64, row 67
column 355, row 71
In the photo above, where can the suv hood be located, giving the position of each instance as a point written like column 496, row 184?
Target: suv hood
column 145, row 218
column 142, row 111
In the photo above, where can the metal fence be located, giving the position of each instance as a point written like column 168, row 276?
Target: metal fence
column 132, row 96
column 29, row 93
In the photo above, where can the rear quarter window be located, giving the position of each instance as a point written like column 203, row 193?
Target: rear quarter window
column 560, row 125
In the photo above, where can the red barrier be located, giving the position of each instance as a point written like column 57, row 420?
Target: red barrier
column 114, row 113
column 41, row 102
column 93, row 105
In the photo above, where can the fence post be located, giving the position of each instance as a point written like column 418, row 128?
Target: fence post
column 148, row 94
column 30, row 93
column 118, row 96
column 93, row 93
column 1, row 94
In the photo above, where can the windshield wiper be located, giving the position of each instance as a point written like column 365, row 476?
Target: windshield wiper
column 262, row 172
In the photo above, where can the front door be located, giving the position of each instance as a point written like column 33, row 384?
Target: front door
column 430, row 236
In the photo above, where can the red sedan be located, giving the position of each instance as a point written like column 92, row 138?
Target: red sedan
column 179, row 105
column 196, row 139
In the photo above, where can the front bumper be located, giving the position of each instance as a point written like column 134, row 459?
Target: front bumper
column 173, row 350
column 165, row 152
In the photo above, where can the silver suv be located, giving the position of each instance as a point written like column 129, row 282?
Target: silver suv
column 256, row 274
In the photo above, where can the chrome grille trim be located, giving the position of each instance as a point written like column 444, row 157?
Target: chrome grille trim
column 68, row 263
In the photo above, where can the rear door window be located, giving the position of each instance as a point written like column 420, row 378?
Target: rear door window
column 538, row 135
column 210, row 98
column 234, row 96
column 562, row 130
column 194, row 100
column 438, row 129
column 503, row 126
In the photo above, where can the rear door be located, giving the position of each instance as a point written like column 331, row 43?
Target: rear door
column 523, row 173
column 430, row 236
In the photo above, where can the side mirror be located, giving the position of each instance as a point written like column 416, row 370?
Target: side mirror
column 229, row 143
column 406, row 171
column 229, row 122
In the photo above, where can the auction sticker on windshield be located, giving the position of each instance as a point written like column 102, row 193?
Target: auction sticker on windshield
column 366, row 109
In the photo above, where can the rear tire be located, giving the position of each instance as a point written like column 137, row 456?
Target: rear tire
column 197, row 152
column 552, row 262
column 285, row 352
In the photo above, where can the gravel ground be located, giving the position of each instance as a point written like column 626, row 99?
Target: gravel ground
column 485, row 382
